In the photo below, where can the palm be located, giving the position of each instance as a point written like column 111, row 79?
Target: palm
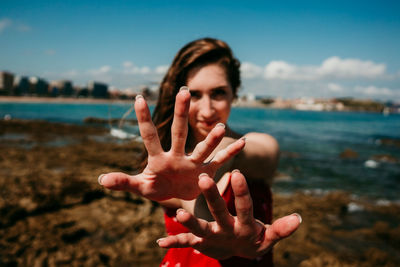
column 234, row 241
column 168, row 176
column 228, row 235
column 172, row 173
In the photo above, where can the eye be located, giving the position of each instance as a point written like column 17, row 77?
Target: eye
column 195, row 95
column 218, row 94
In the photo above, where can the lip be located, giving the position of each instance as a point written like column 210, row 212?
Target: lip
column 208, row 124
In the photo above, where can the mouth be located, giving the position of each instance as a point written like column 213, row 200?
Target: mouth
column 208, row 124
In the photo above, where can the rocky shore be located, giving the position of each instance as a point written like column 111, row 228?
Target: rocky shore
column 53, row 212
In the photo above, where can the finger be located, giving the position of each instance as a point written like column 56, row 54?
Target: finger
column 182, row 240
column 205, row 147
column 147, row 129
column 215, row 202
column 224, row 155
column 198, row 227
column 179, row 127
column 243, row 201
column 281, row 228
column 120, row 181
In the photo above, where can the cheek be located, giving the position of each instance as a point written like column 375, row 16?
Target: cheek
column 224, row 109
column 192, row 114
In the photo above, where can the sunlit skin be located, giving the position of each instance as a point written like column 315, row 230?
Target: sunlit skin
column 172, row 173
column 211, row 99
column 212, row 230
column 183, row 176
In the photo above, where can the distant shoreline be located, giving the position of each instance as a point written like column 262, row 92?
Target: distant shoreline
column 236, row 103
column 36, row 99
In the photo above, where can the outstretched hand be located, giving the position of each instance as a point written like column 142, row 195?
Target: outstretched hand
column 173, row 173
column 228, row 235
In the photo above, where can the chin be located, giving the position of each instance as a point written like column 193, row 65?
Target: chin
column 202, row 134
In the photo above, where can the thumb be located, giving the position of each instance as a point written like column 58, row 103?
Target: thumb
column 282, row 228
column 119, row 181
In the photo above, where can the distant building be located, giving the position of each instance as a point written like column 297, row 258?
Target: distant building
column 128, row 93
column 38, row 86
column 6, row 83
column 148, row 94
column 82, row 92
column 21, row 86
column 98, row 90
column 62, row 87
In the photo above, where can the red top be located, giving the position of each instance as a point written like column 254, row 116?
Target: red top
column 182, row 257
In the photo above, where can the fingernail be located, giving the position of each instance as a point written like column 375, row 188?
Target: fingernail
column 220, row 124
column 196, row 251
column 184, row 88
column 235, row 170
column 138, row 97
column 244, row 139
column 160, row 239
column 203, row 175
column 298, row 216
column 180, row 211
column 100, row 178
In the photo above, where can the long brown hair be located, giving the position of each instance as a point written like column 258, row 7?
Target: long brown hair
column 195, row 54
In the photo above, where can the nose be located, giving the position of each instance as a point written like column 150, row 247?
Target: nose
column 207, row 110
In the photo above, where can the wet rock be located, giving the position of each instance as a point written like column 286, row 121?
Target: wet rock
column 289, row 154
column 348, row 154
column 74, row 236
column 390, row 142
column 94, row 120
column 385, row 158
column 54, row 213
column 282, row 177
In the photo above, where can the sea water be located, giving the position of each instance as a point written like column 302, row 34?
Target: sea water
column 310, row 141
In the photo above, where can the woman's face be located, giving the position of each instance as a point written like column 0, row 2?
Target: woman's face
column 211, row 99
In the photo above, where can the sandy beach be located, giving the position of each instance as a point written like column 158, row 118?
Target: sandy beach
column 54, row 213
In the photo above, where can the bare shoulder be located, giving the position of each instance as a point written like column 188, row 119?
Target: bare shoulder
column 261, row 145
column 259, row 158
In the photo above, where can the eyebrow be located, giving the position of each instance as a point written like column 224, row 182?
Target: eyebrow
column 223, row 87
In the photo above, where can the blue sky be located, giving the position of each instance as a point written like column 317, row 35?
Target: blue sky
column 287, row 48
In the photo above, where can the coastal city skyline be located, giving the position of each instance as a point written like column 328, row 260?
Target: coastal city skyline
column 289, row 50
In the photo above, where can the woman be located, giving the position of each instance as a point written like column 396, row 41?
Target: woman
column 188, row 143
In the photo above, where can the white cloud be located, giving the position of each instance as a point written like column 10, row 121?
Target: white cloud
column 71, row 73
column 100, row 71
column 250, row 70
column 144, row 70
column 331, row 68
column 4, row 24
column 285, row 71
column 335, row 87
column 130, row 68
column 161, row 69
column 102, row 74
column 276, row 79
column 350, row 68
column 127, row 76
column 105, row 69
column 279, row 70
column 127, row 64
